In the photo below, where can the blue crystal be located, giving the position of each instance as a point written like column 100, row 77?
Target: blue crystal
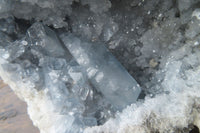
column 105, row 73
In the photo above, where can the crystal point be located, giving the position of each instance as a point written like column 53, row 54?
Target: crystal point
column 105, row 73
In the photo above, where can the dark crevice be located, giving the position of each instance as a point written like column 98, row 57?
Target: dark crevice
column 69, row 27
column 177, row 14
column 23, row 24
column 194, row 130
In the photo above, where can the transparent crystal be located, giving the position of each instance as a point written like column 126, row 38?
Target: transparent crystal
column 105, row 73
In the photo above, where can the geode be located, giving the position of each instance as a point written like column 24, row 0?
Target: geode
column 81, row 64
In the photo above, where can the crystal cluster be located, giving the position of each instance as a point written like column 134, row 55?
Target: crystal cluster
column 82, row 88
column 54, row 54
column 52, row 12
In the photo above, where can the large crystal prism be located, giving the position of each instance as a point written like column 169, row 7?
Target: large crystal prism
column 105, row 73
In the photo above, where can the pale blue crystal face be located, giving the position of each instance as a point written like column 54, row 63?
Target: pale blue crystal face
column 83, row 81
column 105, row 73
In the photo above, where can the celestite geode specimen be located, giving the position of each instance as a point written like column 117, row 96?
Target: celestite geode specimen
column 78, row 63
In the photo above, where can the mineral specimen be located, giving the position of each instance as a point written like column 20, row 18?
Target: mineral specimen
column 53, row 53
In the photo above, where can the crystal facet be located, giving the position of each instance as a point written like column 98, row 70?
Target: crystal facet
column 105, row 73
